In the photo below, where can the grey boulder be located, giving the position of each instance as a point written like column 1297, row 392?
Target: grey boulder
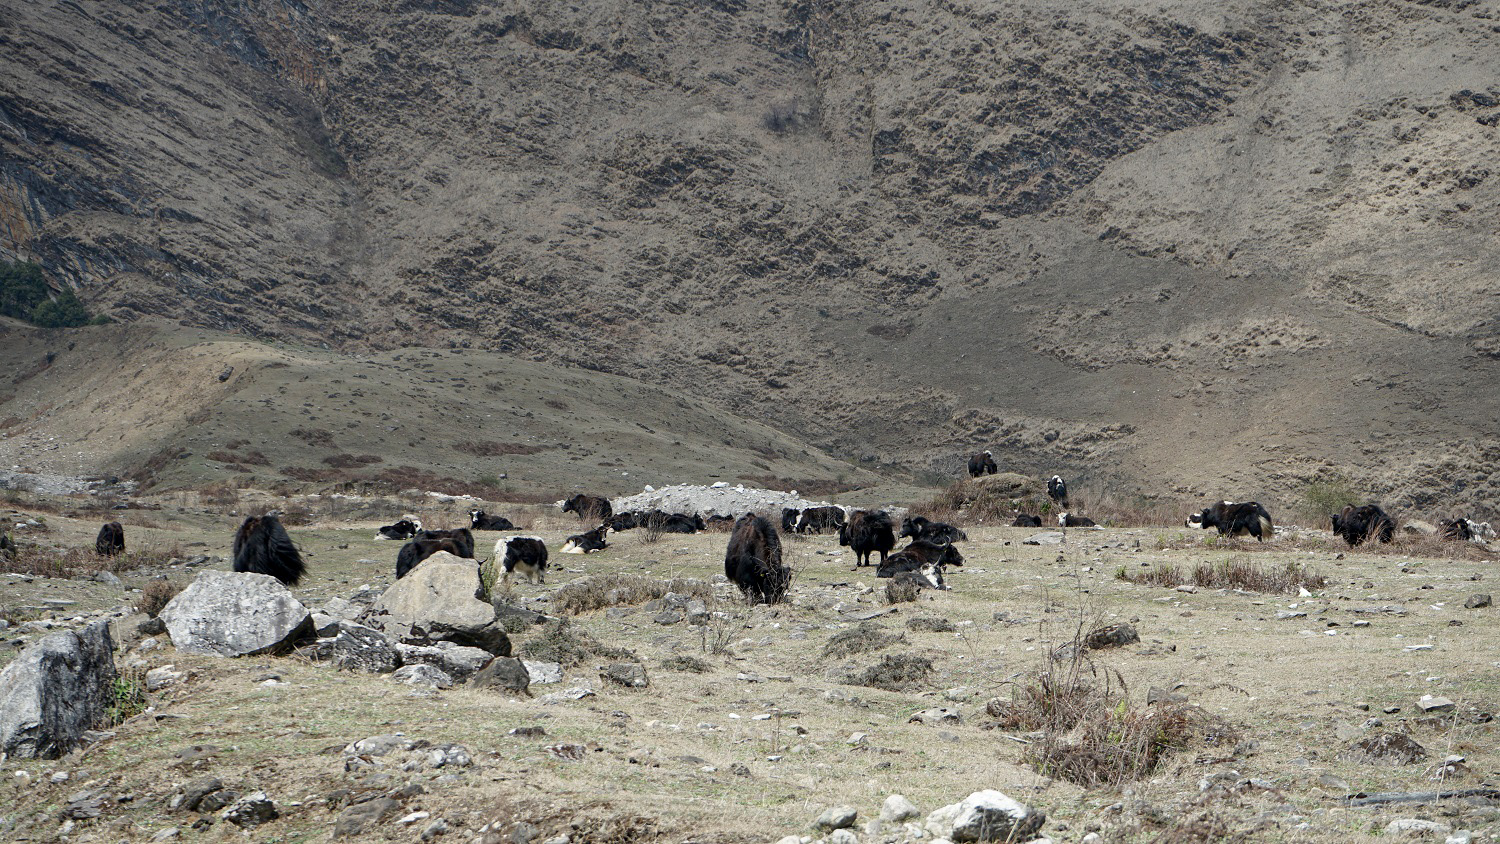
column 236, row 614
column 987, row 815
column 54, row 691
column 438, row 600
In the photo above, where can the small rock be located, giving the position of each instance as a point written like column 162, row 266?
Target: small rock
column 422, row 674
column 837, row 817
column 897, row 808
column 434, row 829
column 936, row 715
column 843, row 836
column 1415, row 827
column 1433, row 703
column 986, row 816
column 1477, row 602
column 504, row 673
column 161, row 677
column 631, row 675
column 1388, row 749
column 251, row 810
column 359, row 817
column 543, row 672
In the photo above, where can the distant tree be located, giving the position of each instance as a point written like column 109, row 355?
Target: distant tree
column 22, row 288
column 24, row 295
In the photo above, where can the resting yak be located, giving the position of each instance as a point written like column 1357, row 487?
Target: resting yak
column 1358, row 524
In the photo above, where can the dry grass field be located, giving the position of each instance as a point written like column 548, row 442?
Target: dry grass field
column 754, row 723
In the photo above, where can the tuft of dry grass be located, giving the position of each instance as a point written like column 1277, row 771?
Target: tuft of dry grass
column 1091, row 734
column 901, row 591
column 155, row 595
column 930, row 624
column 864, row 638
column 895, row 673
column 45, row 561
column 686, row 663
column 614, row 590
column 1237, row 572
column 558, row 641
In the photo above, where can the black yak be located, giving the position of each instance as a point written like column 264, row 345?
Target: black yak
column 1057, row 490
column 480, row 520
column 923, row 556
column 587, row 543
column 590, row 508
column 1357, row 524
column 418, row 550
column 262, row 546
column 1026, row 520
column 111, row 540
column 982, row 464
column 753, row 561
column 819, row 519
column 921, row 527
column 1246, row 518
column 404, row 528
column 868, row 531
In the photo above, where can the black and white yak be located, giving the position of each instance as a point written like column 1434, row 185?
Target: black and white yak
column 463, row 537
column 263, row 547
column 867, row 531
column 524, row 554
column 789, row 517
column 922, row 562
column 417, row 550
column 1246, row 518
column 753, row 561
column 1358, row 524
column 1068, row 520
column 1057, row 490
column 1026, row 520
column 587, row 543
column 590, row 508
column 819, row 519
column 982, row 464
column 921, row 527
column 111, row 540
column 403, row 529
column 480, row 520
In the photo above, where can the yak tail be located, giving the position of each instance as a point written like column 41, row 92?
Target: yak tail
column 1267, row 531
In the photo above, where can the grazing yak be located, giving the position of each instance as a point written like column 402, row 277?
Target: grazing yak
column 1068, row 520
column 1026, row 520
column 262, row 546
column 1246, row 518
column 753, row 561
column 405, row 528
column 590, row 508
column 789, row 519
column 982, row 464
column 1358, row 524
column 819, row 519
column 480, row 520
column 463, row 537
column 526, row 554
column 587, row 543
column 417, row 550
column 923, row 558
column 1057, row 490
column 868, row 531
column 921, row 527
column 110, row 541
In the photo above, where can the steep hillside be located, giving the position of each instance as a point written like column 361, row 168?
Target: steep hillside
column 1185, row 248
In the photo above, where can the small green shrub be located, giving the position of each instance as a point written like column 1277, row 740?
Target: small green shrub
column 1327, row 495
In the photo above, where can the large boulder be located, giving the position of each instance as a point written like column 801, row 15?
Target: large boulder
column 439, row 600
column 236, row 614
column 986, row 816
column 55, row 690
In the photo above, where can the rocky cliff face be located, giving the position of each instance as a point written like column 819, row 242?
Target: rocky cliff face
column 1232, row 245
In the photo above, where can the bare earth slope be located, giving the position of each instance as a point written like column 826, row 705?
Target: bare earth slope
column 1188, row 248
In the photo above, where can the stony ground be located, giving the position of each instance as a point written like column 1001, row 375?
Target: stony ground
column 772, row 732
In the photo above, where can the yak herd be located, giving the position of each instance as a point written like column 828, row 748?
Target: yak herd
column 753, row 559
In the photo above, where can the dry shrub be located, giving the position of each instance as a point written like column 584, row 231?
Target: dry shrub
column 494, row 449
column 314, row 436
column 44, row 561
column 865, row 638
column 351, row 461
column 810, row 487
column 686, row 663
column 1234, row 573
column 988, row 499
column 1424, row 545
column 155, row 595
column 1090, row 733
column 901, row 591
column 557, row 641
column 613, row 590
column 895, row 673
column 930, row 624
column 1115, row 510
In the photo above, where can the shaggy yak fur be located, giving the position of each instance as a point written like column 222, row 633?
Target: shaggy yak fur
column 111, row 540
column 262, row 546
column 753, row 561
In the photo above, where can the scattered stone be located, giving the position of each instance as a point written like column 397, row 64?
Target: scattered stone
column 457, row 661
column 503, row 673
column 359, row 817
column 671, row 615
column 843, row 836
column 1045, row 538
column 1160, row 695
column 380, row 745
column 837, row 817
column 527, row 732
column 1111, row 636
column 986, row 816
column 1476, row 602
column 897, row 808
column 1387, row 749
column 936, row 715
column 251, row 810
column 235, row 614
column 449, row 756
column 433, row 830
column 54, row 690
column 543, row 673
column 108, row 578
column 1433, row 703
column 421, row 674
column 161, row 677
column 1414, row 828
column 192, row 793
column 573, row 693
column 631, row 675
column 84, row 806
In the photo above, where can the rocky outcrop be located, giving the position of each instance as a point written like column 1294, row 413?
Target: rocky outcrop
column 54, row 691
column 439, row 601
column 236, row 614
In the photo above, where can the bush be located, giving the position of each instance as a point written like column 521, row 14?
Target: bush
column 557, row 641
column 156, row 595
column 614, row 590
column 1327, row 495
column 862, row 639
column 24, row 295
column 1236, row 572
column 895, row 673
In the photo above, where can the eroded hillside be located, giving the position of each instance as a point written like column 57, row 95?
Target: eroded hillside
column 1180, row 247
